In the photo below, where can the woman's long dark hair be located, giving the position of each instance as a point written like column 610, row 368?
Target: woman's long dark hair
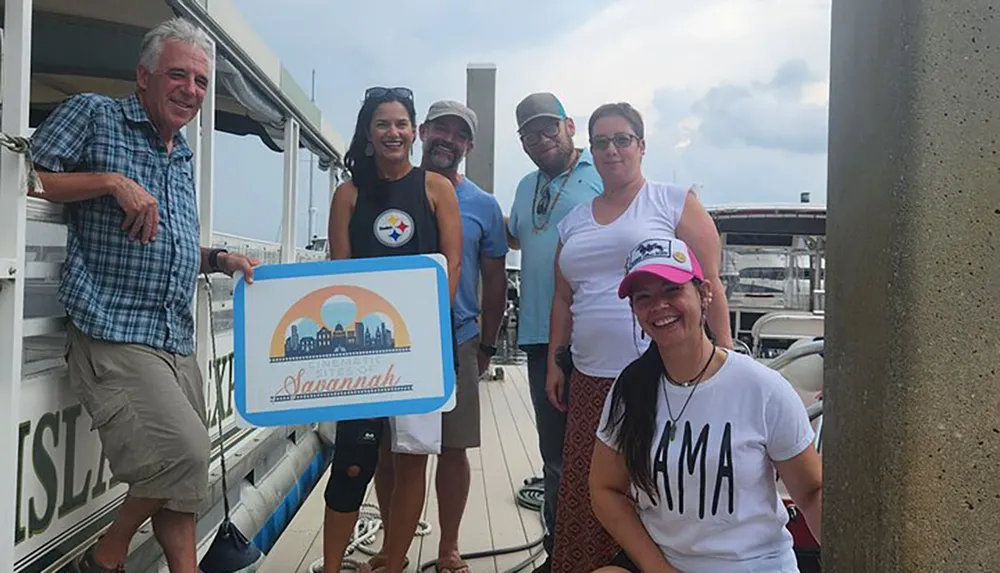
column 632, row 419
column 360, row 165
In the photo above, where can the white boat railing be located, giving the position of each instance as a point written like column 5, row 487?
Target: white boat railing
column 819, row 301
column 741, row 347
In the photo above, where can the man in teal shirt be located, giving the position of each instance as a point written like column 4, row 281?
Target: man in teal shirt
column 565, row 178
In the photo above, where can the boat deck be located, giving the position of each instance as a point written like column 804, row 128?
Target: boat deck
column 493, row 520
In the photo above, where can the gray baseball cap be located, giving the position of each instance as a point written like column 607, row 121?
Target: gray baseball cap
column 538, row 105
column 459, row 110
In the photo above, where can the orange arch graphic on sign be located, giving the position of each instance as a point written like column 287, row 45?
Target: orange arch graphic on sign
column 341, row 316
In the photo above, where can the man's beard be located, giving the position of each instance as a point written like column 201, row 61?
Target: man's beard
column 557, row 164
column 439, row 162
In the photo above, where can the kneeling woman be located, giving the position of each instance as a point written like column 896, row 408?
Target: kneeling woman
column 683, row 474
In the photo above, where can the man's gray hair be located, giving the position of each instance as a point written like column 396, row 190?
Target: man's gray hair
column 177, row 29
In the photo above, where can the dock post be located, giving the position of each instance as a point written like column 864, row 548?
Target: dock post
column 481, row 83
column 912, row 395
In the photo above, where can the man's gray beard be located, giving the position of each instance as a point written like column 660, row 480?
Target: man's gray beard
column 452, row 165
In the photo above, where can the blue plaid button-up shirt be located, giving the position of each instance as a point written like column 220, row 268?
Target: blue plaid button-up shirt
column 115, row 289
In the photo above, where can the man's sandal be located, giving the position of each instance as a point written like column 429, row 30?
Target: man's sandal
column 88, row 564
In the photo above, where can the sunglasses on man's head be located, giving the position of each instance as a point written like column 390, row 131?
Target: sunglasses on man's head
column 381, row 92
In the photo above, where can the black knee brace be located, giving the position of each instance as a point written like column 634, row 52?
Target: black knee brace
column 356, row 446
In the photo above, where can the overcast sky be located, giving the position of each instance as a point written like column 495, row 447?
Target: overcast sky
column 733, row 92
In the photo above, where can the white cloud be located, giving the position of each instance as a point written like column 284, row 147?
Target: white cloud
column 634, row 49
column 766, row 115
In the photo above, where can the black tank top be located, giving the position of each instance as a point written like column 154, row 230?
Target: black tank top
column 396, row 219
column 393, row 219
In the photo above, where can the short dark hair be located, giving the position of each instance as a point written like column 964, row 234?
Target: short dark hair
column 621, row 109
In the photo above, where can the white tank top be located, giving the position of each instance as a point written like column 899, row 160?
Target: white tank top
column 605, row 337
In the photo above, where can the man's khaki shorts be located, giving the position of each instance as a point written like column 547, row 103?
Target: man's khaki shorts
column 460, row 427
column 148, row 406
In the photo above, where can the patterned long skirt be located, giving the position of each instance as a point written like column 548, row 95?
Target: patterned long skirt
column 581, row 543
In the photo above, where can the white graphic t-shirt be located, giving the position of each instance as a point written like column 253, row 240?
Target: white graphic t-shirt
column 719, row 510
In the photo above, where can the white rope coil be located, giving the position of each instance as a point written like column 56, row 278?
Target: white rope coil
column 368, row 525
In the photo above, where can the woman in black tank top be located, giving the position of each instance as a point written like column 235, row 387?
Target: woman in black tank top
column 389, row 207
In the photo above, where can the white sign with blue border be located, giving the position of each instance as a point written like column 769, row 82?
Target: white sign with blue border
column 345, row 339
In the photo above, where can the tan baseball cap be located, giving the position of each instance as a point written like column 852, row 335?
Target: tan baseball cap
column 459, row 110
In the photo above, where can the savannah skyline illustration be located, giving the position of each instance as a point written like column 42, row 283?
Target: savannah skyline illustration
column 339, row 321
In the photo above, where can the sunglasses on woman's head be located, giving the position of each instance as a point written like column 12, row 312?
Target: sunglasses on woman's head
column 381, row 92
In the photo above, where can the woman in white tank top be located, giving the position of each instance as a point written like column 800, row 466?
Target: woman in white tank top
column 595, row 325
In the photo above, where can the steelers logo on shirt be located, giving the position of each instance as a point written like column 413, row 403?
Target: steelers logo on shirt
column 394, row 228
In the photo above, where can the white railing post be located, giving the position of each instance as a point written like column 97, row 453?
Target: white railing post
column 204, row 180
column 192, row 132
column 15, row 79
column 289, row 203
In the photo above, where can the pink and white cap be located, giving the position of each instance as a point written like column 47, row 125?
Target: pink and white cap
column 668, row 258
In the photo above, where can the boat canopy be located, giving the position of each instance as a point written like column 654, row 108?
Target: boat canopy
column 792, row 219
column 93, row 46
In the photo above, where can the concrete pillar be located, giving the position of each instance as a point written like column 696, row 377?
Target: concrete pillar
column 481, row 84
column 912, row 444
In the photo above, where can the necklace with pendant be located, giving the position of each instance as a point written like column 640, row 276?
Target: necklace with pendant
column 543, row 205
column 694, row 386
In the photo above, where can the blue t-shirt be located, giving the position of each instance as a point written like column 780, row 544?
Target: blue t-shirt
column 482, row 236
column 539, row 237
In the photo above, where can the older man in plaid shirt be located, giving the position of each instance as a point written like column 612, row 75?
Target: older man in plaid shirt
column 124, row 172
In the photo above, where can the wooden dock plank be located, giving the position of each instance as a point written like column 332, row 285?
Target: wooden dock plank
column 523, row 415
column 519, row 376
column 519, row 468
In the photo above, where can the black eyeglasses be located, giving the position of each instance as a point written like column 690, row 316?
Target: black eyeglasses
column 532, row 138
column 379, row 92
column 620, row 140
